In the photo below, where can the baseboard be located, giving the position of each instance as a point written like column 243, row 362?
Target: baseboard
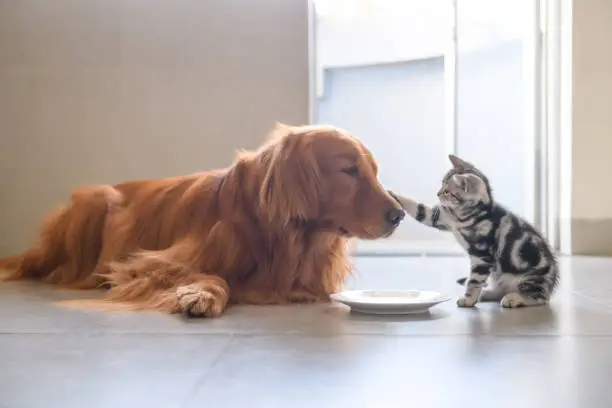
column 592, row 237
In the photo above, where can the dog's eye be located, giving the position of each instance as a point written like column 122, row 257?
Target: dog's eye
column 352, row 171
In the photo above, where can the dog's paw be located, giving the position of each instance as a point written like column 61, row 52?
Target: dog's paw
column 195, row 301
column 466, row 301
column 512, row 300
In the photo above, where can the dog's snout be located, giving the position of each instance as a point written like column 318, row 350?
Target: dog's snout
column 395, row 216
column 392, row 194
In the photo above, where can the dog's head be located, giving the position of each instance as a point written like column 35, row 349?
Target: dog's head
column 324, row 177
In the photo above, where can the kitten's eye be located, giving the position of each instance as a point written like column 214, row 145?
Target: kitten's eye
column 352, row 171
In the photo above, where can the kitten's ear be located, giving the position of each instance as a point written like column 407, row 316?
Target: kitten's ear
column 470, row 183
column 459, row 163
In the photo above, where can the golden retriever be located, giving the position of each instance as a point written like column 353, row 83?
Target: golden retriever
column 272, row 228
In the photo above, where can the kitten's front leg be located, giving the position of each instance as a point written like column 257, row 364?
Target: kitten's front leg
column 432, row 217
column 480, row 271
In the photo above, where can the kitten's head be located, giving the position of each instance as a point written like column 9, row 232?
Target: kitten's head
column 464, row 186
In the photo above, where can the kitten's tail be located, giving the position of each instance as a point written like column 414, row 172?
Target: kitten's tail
column 462, row 281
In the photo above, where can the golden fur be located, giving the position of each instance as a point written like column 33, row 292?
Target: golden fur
column 272, row 228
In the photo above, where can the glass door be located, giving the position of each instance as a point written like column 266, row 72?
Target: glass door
column 419, row 79
column 381, row 70
column 498, row 99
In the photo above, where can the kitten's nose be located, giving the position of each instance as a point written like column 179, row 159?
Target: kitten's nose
column 395, row 216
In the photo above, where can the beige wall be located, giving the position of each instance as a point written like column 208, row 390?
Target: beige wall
column 100, row 91
column 592, row 127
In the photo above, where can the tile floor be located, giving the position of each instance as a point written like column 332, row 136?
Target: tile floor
column 319, row 355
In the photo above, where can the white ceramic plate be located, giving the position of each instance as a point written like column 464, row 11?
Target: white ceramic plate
column 389, row 301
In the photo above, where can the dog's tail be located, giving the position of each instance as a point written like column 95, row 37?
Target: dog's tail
column 10, row 262
column 70, row 240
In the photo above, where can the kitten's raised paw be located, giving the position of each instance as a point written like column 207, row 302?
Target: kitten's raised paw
column 466, row 301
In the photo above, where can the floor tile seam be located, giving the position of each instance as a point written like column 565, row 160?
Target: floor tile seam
column 592, row 300
column 232, row 336
column 228, row 335
column 199, row 382
column 426, row 335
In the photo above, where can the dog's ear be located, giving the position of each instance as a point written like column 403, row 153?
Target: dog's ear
column 291, row 187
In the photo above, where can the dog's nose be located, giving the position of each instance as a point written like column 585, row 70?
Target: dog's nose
column 395, row 216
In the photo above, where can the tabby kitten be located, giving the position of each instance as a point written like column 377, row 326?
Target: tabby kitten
column 522, row 268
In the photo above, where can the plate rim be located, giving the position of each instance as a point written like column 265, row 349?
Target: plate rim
column 339, row 297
